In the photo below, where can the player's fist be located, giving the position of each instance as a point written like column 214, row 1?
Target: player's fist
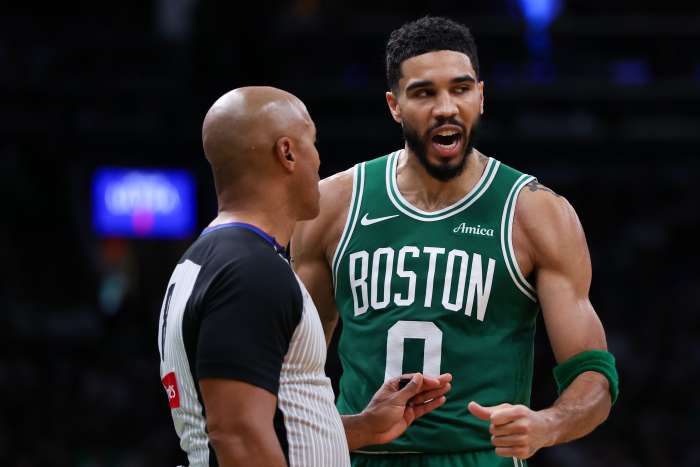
column 516, row 430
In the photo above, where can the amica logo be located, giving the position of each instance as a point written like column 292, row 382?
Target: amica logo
column 463, row 228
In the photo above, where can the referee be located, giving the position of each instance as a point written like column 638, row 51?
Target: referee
column 241, row 344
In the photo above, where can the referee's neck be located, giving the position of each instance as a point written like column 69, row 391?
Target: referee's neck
column 279, row 226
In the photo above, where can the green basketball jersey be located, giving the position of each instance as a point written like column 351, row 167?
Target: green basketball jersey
column 435, row 292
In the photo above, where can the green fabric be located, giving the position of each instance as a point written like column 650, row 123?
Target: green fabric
column 464, row 459
column 437, row 292
column 599, row 361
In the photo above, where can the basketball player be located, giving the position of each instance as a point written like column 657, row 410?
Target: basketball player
column 242, row 348
column 437, row 259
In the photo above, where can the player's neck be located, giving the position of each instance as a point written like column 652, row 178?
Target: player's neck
column 430, row 194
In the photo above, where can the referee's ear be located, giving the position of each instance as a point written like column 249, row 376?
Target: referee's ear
column 284, row 155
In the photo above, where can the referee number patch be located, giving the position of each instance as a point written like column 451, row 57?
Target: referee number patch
column 170, row 385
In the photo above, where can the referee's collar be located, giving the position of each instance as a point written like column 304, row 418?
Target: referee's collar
column 257, row 230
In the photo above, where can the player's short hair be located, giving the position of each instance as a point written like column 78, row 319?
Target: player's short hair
column 427, row 34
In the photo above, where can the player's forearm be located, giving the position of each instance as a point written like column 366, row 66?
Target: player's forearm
column 247, row 448
column 582, row 406
column 356, row 431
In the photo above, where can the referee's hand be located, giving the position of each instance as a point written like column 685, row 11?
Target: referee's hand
column 392, row 409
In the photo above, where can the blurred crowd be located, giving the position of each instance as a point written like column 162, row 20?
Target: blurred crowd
column 603, row 113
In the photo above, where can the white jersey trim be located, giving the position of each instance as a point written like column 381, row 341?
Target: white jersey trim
column 403, row 205
column 351, row 221
column 507, row 239
column 358, row 451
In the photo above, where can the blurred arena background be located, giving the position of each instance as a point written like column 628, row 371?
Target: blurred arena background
column 599, row 99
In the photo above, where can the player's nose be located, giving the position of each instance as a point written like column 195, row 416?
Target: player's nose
column 445, row 106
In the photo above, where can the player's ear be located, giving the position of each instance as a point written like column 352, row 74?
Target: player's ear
column 284, row 154
column 393, row 102
column 481, row 91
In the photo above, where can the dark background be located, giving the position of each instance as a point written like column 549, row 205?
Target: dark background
column 607, row 116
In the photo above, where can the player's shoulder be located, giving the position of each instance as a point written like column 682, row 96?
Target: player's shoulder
column 341, row 184
column 546, row 217
column 313, row 236
column 539, row 203
column 336, row 192
column 338, row 184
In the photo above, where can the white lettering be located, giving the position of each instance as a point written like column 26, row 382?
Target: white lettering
column 410, row 275
column 459, row 298
column 372, row 277
column 468, row 229
column 477, row 287
column 359, row 282
column 376, row 260
column 432, row 350
column 433, row 252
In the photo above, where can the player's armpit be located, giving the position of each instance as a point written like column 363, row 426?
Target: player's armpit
column 314, row 242
column 240, row 423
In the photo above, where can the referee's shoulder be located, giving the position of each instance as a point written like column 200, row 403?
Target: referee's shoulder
column 239, row 253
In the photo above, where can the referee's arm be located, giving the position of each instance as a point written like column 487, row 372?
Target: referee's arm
column 243, row 337
column 240, row 423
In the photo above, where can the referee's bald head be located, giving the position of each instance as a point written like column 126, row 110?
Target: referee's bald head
column 257, row 135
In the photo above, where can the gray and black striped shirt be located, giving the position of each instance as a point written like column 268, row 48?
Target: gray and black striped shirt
column 234, row 309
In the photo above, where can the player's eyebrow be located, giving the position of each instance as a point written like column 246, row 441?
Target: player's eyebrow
column 418, row 84
column 463, row 79
column 426, row 82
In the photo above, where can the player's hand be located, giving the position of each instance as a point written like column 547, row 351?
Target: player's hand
column 516, row 430
column 392, row 410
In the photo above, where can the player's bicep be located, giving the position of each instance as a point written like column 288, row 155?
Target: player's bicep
column 316, row 276
column 572, row 323
column 313, row 269
column 563, row 283
column 314, row 243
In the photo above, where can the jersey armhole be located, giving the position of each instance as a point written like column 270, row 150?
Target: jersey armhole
column 507, row 239
column 353, row 213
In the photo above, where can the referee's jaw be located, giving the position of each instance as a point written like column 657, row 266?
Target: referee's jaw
column 306, row 190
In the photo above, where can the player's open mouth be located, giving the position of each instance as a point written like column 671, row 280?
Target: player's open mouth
column 446, row 140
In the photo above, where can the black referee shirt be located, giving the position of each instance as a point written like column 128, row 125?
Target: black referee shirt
column 234, row 309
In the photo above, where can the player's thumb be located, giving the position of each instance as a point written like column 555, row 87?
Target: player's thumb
column 479, row 411
column 411, row 389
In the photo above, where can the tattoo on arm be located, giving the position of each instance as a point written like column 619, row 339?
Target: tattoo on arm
column 537, row 186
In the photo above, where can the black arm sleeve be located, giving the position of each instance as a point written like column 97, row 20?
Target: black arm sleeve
column 250, row 312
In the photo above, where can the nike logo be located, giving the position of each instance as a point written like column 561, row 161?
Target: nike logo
column 365, row 221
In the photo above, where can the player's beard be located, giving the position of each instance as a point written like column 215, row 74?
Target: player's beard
column 419, row 145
